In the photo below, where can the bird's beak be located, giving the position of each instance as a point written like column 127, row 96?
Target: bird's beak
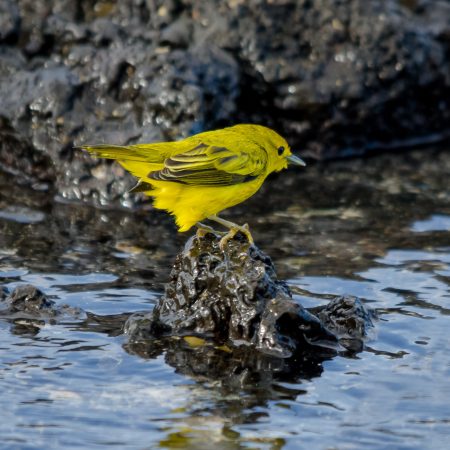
column 295, row 160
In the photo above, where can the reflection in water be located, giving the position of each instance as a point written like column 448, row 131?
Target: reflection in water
column 375, row 228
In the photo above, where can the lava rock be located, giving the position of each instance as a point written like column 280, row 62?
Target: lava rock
column 341, row 78
column 348, row 318
column 336, row 78
column 232, row 296
column 30, row 300
column 28, row 309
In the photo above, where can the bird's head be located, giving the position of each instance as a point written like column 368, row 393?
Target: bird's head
column 280, row 154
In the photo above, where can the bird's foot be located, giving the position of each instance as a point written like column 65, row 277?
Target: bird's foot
column 235, row 229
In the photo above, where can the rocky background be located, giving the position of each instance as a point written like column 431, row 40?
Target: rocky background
column 335, row 77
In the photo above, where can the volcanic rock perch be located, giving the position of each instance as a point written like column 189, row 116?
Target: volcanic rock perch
column 233, row 297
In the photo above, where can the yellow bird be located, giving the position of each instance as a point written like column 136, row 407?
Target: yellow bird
column 198, row 177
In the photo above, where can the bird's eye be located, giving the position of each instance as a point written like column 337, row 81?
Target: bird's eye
column 280, row 150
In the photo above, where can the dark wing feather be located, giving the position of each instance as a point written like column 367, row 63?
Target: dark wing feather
column 207, row 165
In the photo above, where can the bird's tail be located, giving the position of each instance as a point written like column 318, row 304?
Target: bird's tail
column 152, row 153
column 140, row 160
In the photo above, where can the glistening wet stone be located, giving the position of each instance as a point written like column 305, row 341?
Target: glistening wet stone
column 234, row 297
column 28, row 309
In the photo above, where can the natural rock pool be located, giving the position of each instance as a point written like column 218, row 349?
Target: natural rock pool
column 374, row 228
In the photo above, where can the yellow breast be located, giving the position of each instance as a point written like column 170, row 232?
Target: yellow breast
column 192, row 204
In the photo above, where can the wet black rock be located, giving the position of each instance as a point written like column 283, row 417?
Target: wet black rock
column 226, row 317
column 335, row 77
column 349, row 319
column 30, row 300
column 347, row 77
column 234, row 298
column 28, row 309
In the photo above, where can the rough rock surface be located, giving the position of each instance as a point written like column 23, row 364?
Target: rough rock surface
column 28, row 309
column 29, row 300
column 234, row 297
column 335, row 77
column 349, row 319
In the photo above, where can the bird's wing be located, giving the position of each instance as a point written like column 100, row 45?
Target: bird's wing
column 209, row 165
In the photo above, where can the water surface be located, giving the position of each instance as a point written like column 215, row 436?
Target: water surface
column 375, row 228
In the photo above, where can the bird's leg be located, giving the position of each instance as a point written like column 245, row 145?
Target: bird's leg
column 234, row 229
column 203, row 230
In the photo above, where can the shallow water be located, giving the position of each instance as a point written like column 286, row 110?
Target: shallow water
column 375, row 228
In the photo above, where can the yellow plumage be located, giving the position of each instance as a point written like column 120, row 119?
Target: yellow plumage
column 197, row 177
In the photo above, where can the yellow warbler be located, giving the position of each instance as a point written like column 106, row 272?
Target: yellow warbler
column 197, row 177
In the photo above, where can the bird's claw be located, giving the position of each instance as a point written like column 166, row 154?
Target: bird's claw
column 244, row 229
